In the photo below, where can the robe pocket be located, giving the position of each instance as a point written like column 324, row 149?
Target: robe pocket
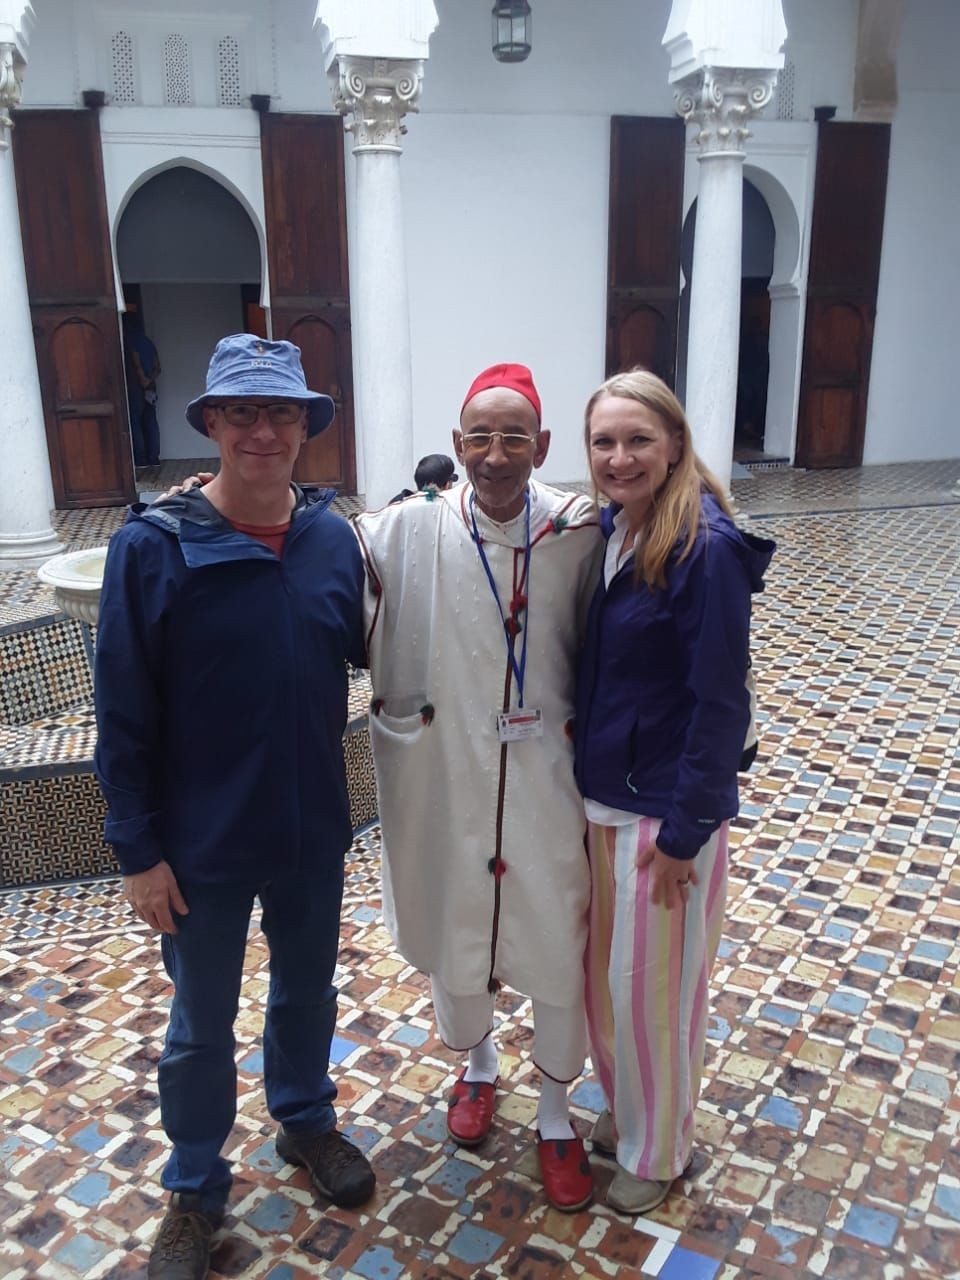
column 403, row 717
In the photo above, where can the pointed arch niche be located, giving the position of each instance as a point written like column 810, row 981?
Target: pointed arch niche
column 772, row 307
column 190, row 263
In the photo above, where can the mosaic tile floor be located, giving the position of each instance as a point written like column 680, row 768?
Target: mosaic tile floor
column 828, row 1127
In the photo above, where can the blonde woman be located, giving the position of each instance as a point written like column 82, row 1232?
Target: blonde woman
column 662, row 716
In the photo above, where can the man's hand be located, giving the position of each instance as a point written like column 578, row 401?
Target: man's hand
column 670, row 878
column 155, row 896
column 191, row 482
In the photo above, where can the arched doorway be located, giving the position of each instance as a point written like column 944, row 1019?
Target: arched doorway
column 189, row 260
column 756, row 271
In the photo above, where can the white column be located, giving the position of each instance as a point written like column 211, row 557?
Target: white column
column 724, row 58
column 26, row 495
column 377, row 93
column 720, row 103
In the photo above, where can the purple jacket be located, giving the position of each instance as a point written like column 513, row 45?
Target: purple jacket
column 662, row 705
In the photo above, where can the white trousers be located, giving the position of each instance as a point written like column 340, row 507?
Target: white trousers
column 559, row 1033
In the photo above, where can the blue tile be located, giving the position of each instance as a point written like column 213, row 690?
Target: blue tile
column 782, row 1112
column 928, row 1082
column 341, row 1048
column 23, row 1060
column 588, row 1095
column 275, row 1213
column 37, row 1020
column 776, row 1012
column 378, row 1263
column 847, row 1002
column 90, row 1190
column 252, row 1064
column 841, row 931
column 265, row 1158
column 92, row 1137
column 433, row 1126
column 871, row 1224
column 871, row 960
column 947, row 1200
column 283, row 1272
column 454, row 1176
column 886, row 1041
column 717, row 1028
column 82, row 1253
column 361, row 1136
column 414, row 1036
column 473, row 1245
column 46, row 989
column 684, row 1264
column 786, row 1239
column 931, row 950
column 364, row 914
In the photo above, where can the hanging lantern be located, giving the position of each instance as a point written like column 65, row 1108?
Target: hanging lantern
column 512, row 30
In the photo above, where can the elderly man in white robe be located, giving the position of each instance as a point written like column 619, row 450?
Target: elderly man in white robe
column 474, row 602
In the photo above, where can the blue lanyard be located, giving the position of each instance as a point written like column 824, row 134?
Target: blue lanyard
column 519, row 669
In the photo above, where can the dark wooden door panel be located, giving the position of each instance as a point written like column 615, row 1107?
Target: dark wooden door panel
column 645, row 336
column 310, row 296
column 845, row 245
column 62, row 207
column 325, row 352
column 643, row 276
column 69, row 265
column 81, row 380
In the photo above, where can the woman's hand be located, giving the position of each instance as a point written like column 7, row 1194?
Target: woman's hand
column 670, row 878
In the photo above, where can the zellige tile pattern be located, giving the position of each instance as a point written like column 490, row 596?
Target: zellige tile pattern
column 828, row 1129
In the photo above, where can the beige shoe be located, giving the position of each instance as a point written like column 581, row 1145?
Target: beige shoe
column 628, row 1194
column 604, row 1135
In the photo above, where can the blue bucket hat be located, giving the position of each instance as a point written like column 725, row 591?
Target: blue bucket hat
column 244, row 365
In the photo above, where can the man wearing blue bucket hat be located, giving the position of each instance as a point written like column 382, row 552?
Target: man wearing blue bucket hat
column 227, row 616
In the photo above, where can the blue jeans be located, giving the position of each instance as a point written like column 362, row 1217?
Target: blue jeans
column 197, row 1074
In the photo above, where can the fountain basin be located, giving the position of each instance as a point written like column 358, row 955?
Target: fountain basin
column 76, row 578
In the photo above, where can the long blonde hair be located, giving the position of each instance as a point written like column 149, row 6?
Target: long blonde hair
column 675, row 509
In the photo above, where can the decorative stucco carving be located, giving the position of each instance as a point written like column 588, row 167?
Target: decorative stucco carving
column 11, row 81
column 376, row 93
column 721, row 102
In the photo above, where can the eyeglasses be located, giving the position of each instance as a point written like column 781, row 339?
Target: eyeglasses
column 245, row 415
column 515, row 444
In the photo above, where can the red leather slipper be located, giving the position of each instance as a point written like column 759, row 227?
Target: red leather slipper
column 470, row 1110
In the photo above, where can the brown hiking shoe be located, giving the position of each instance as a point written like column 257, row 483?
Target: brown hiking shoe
column 339, row 1170
column 182, row 1248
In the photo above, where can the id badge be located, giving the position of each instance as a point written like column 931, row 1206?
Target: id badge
column 516, row 726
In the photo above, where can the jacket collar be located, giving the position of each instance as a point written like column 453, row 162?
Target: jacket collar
column 206, row 537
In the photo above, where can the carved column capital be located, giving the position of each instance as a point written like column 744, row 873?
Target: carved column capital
column 12, row 67
column 721, row 101
column 376, row 93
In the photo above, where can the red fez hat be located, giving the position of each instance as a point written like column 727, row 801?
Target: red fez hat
column 515, row 377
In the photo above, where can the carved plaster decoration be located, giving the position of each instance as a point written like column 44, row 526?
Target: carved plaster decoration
column 11, row 85
column 377, row 93
column 721, row 101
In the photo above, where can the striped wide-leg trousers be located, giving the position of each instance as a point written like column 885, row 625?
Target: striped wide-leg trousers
column 647, row 989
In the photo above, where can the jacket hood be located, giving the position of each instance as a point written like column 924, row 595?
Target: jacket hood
column 169, row 513
column 755, row 552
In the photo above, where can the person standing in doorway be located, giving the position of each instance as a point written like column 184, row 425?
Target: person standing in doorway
column 143, row 370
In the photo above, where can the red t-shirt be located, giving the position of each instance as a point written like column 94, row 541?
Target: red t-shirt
column 271, row 535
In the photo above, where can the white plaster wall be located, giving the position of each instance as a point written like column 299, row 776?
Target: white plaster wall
column 911, row 410
column 185, row 322
column 506, row 249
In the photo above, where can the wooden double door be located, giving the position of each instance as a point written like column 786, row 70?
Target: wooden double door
column 70, row 280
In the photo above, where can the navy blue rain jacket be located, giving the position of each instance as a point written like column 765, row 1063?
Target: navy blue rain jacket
column 662, row 704
column 221, row 690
